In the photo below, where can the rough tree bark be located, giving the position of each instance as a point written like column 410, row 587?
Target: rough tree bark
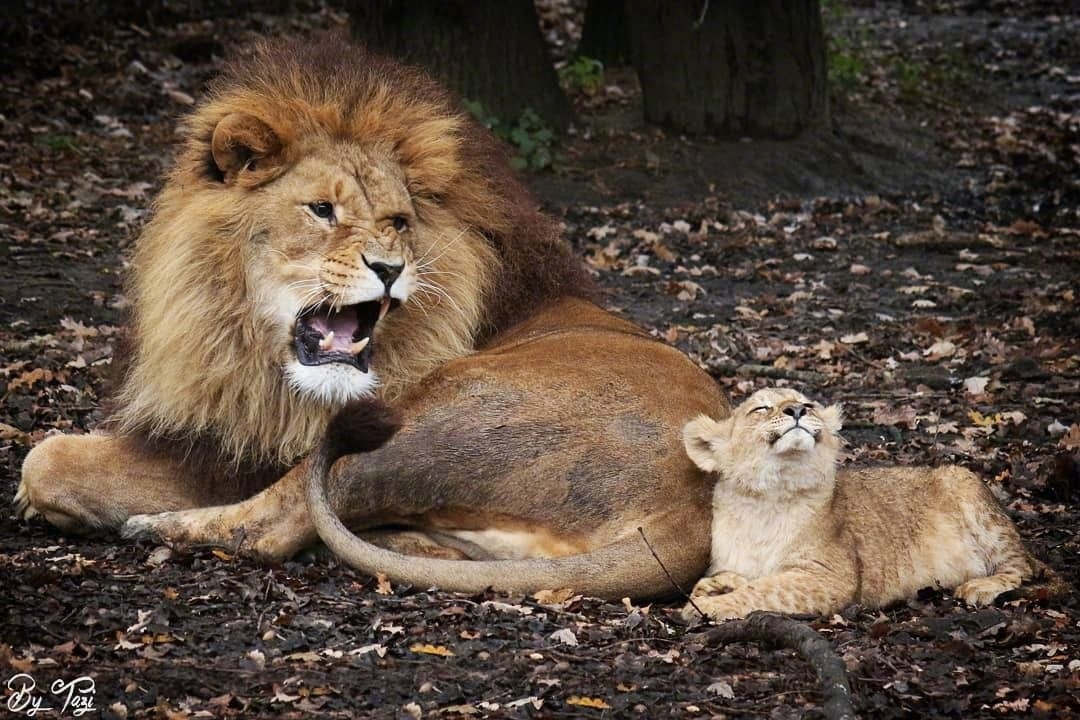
column 486, row 50
column 605, row 35
column 731, row 68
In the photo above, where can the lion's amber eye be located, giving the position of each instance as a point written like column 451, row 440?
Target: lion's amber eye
column 760, row 408
column 322, row 209
column 401, row 223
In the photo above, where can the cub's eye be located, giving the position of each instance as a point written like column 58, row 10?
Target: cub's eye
column 322, row 209
column 401, row 223
column 760, row 408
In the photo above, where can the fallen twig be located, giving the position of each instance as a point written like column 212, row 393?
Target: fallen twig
column 949, row 240
column 674, row 584
column 762, row 627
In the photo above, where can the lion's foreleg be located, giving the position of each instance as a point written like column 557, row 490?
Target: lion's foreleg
column 275, row 524
column 272, row 525
column 93, row 483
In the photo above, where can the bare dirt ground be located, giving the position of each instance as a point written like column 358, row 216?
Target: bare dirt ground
column 919, row 263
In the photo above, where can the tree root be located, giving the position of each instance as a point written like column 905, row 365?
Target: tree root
column 762, row 627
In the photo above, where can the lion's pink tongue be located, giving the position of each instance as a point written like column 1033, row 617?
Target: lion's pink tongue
column 342, row 324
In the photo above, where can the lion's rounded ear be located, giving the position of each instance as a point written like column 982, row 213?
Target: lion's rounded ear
column 243, row 142
column 702, row 436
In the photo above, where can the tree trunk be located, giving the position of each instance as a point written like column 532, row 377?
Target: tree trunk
column 606, row 35
column 486, row 50
column 731, row 68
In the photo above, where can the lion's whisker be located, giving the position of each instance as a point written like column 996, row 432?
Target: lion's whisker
column 427, row 288
column 451, row 273
column 434, row 245
column 423, row 262
column 315, row 296
column 306, row 284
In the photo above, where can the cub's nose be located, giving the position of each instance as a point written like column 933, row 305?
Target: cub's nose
column 387, row 274
column 795, row 411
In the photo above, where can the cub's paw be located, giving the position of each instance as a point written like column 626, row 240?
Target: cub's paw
column 689, row 615
column 717, row 607
column 718, row 584
column 983, row 591
column 24, row 510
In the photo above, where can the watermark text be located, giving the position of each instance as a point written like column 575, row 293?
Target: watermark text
column 64, row 697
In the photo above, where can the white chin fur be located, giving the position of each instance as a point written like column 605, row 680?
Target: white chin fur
column 330, row 384
column 794, row 441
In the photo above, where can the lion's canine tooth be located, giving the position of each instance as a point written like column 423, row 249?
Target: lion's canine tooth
column 358, row 347
column 327, row 341
column 384, row 307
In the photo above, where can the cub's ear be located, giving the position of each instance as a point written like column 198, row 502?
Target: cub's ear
column 703, row 438
column 243, row 143
column 833, row 417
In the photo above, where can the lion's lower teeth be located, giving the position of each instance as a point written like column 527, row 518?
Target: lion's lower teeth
column 327, row 342
column 358, row 347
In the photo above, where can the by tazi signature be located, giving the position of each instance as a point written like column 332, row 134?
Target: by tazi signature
column 75, row 697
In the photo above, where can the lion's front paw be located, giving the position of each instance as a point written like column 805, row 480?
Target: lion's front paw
column 983, row 591
column 158, row 526
column 222, row 527
column 718, row 584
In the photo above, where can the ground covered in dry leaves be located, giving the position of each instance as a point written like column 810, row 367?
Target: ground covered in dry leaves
column 929, row 284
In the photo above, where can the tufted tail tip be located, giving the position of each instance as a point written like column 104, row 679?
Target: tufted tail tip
column 362, row 426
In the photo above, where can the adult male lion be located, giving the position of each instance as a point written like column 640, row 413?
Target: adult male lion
column 334, row 228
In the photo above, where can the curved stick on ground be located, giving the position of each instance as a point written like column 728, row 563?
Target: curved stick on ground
column 761, row 627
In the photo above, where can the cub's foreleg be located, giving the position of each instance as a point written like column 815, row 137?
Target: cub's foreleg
column 798, row 591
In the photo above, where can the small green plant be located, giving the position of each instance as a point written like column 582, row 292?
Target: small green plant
column 533, row 139
column 845, row 70
column 834, row 9
column 56, row 142
column 582, row 74
column 478, row 111
column 909, row 76
column 535, row 142
column 845, row 54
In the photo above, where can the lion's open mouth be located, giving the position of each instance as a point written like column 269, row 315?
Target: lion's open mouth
column 325, row 334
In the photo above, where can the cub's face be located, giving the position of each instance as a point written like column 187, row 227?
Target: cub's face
column 775, row 439
column 335, row 247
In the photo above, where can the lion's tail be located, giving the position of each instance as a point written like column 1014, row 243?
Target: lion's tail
column 626, row 568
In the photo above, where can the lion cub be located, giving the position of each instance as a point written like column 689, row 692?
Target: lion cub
column 792, row 535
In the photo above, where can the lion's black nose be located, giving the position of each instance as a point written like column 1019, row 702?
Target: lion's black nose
column 795, row 411
column 387, row 274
